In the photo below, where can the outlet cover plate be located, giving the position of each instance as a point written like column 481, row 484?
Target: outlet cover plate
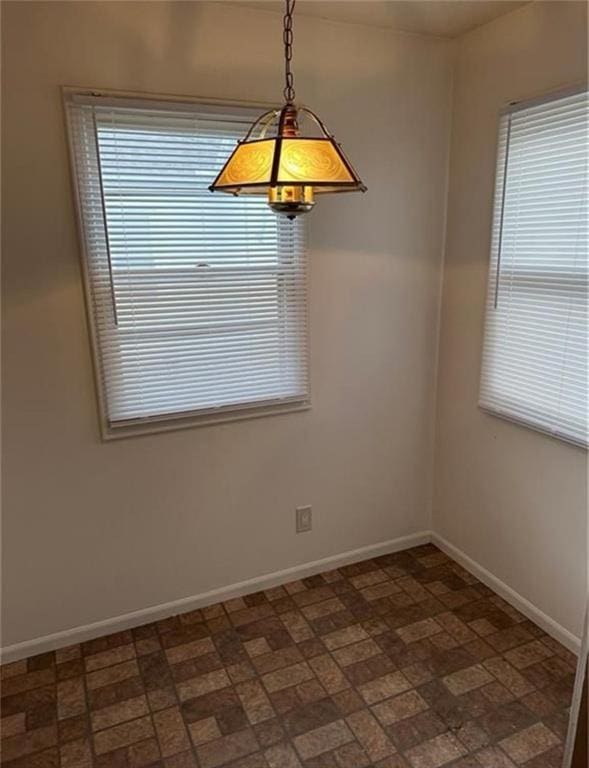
column 304, row 519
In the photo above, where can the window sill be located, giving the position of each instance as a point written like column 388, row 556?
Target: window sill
column 154, row 425
column 504, row 416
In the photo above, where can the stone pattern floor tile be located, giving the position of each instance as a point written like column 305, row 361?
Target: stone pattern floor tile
column 403, row 661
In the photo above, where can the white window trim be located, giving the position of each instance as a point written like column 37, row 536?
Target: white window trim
column 186, row 419
column 512, row 107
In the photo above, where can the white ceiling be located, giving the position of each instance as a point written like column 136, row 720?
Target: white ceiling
column 444, row 18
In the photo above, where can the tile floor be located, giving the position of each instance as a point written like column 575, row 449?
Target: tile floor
column 404, row 661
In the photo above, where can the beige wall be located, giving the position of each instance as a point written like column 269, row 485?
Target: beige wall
column 510, row 498
column 94, row 530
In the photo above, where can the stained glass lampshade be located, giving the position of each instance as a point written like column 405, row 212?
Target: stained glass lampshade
column 274, row 159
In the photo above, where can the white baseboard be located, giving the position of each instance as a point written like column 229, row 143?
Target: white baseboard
column 551, row 627
column 154, row 613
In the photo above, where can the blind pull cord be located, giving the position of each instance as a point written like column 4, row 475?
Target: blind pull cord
column 501, row 217
column 106, row 237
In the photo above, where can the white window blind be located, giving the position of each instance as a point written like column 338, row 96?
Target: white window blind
column 197, row 301
column 534, row 366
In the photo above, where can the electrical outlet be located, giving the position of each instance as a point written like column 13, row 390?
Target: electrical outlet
column 304, row 518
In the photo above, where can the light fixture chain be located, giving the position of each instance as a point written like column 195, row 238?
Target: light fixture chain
column 289, row 91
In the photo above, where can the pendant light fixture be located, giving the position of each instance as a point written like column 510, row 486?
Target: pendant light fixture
column 277, row 159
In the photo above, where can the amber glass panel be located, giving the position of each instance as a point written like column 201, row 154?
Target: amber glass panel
column 249, row 164
column 311, row 160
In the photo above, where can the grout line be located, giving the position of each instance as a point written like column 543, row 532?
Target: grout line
column 178, row 704
column 145, row 693
column 89, row 710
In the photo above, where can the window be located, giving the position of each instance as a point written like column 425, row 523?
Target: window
column 197, row 302
column 534, row 366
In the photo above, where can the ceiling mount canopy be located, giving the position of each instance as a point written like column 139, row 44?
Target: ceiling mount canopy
column 288, row 153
